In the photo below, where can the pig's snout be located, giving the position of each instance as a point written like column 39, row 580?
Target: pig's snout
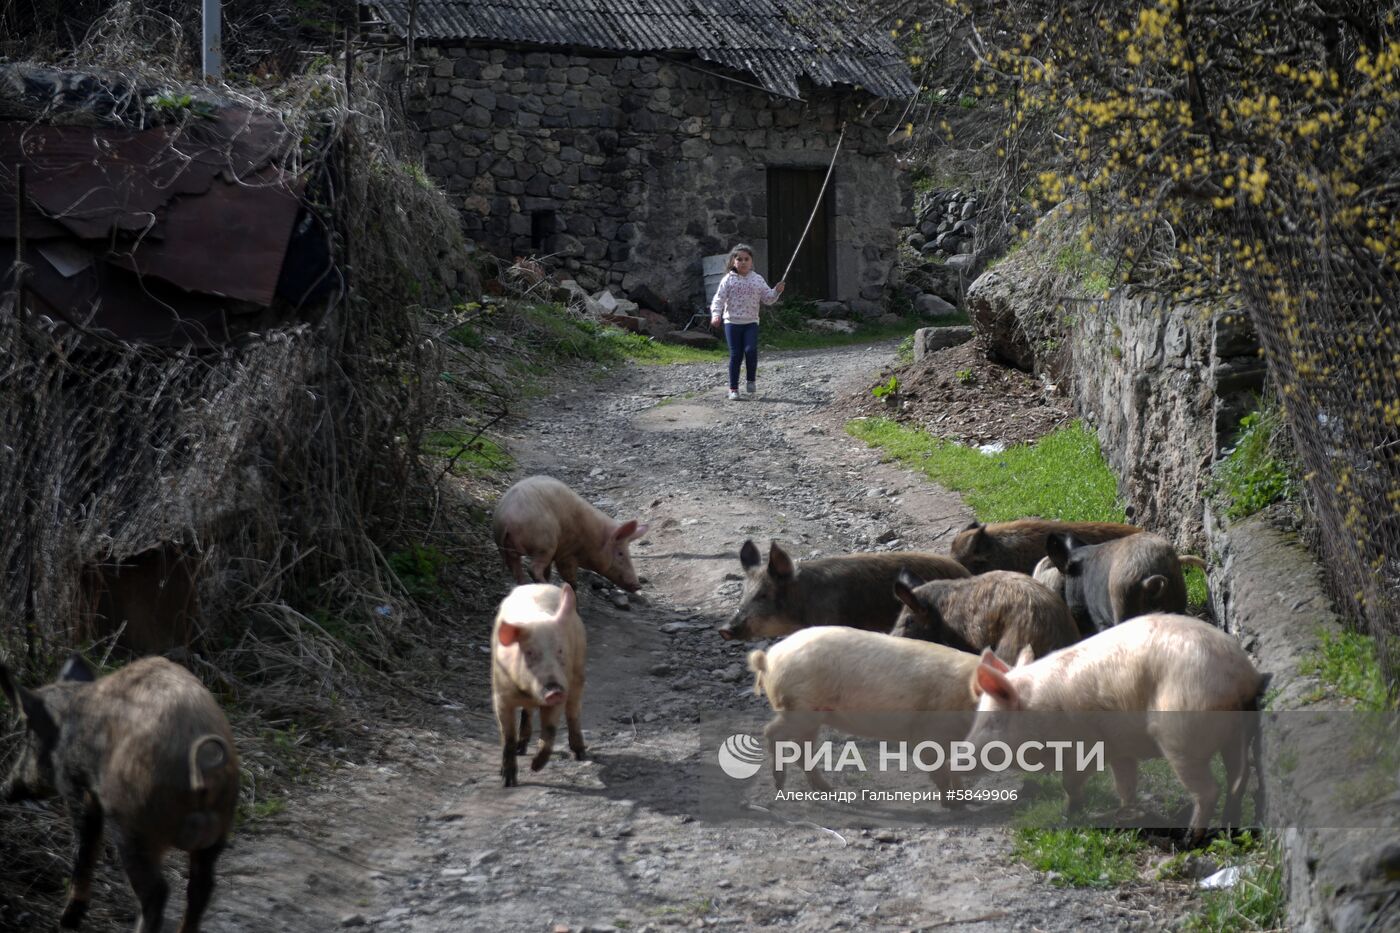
column 554, row 695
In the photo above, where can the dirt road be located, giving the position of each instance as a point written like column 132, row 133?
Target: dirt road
column 424, row 838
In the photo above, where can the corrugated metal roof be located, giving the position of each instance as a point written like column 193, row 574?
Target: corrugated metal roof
column 776, row 41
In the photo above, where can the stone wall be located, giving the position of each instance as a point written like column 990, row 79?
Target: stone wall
column 629, row 169
column 1164, row 385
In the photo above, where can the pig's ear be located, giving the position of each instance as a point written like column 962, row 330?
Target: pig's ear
column 567, row 603
column 1154, row 586
column 507, row 634
column 626, row 531
column 994, row 682
column 1058, row 547
column 973, row 526
column 76, row 669
column 637, row 532
column 779, row 563
column 1026, row 656
column 749, row 556
column 904, row 586
column 989, row 659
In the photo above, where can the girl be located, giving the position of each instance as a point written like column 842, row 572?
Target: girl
column 737, row 301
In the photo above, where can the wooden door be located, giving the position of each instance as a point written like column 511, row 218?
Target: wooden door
column 792, row 192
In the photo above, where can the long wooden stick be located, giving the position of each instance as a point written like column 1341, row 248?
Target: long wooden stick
column 816, row 207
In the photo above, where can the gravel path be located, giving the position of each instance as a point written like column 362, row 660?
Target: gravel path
column 425, row 839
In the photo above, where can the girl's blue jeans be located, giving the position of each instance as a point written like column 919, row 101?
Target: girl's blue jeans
column 743, row 343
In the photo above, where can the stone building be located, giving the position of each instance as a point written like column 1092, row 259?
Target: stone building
column 623, row 140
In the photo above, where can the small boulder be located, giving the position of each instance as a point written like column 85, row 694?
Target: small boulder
column 625, row 321
column 933, row 306
column 698, row 339
column 830, row 309
column 931, row 339
column 832, row 326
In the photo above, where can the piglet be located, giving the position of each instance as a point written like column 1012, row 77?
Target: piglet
column 538, row 655
column 1001, row 610
column 546, row 521
column 1018, row 545
column 145, row 751
column 1105, row 584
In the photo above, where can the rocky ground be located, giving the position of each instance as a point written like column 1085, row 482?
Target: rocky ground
column 424, row 838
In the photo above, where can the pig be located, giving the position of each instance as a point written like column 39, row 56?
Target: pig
column 1049, row 576
column 538, row 651
column 1001, row 610
column 546, row 521
column 854, row 589
column 145, row 751
column 866, row 684
column 1018, row 545
column 1158, row 663
column 1105, row 584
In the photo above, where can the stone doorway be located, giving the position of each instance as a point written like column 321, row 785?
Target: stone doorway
column 792, row 192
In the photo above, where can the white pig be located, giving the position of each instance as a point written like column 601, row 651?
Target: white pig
column 1154, row 664
column 538, row 651
column 863, row 683
column 546, row 521
column 1049, row 576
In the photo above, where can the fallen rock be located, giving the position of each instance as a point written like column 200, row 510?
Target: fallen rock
column 832, row 327
column 930, row 339
column 690, row 338
column 625, row 321
column 933, row 306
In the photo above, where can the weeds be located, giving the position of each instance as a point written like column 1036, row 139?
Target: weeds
column 1080, row 857
column 1347, row 665
column 1257, row 471
column 1258, row 899
column 1092, row 270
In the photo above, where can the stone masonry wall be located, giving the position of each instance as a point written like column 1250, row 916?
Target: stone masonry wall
column 1164, row 385
column 627, row 170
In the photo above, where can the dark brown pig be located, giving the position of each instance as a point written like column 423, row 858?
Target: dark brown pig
column 855, row 590
column 1108, row 583
column 1019, row 545
column 546, row 521
column 145, row 750
column 1001, row 610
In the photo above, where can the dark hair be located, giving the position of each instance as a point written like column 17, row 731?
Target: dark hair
column 738, row 248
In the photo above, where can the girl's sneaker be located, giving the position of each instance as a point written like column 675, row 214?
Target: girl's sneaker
column 733, row 395
column 751, row 387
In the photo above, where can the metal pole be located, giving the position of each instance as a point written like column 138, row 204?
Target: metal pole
column 213, row 41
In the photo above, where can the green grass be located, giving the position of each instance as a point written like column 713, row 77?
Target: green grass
column 784, row 327
column 1257, row 472
column 1092, row 270
column 1258, row 901
column 419, row 568
column 1197, row 590
column 1081, row 858
column 1347, row 665
column 1063, row 476
column 468, row 454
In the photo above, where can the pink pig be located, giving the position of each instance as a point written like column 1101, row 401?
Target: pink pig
column 546, row 521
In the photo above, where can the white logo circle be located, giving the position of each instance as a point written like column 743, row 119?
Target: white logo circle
column 740, row 756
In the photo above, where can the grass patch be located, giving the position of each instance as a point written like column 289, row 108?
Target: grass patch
column 1092, row 270
column 468, row 454
column 1257, row 471
column 1062, row 476
column 1197, row 590
column 418, row 569
column 1081, row 858
column 1347, row 665
column 784, row 327
column 1258, row 900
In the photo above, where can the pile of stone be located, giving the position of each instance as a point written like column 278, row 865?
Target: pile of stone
column 946, row 226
